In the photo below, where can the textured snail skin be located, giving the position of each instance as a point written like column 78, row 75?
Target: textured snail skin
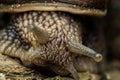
column 23, row 39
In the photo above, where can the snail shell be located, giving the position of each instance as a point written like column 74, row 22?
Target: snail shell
column 82, row 7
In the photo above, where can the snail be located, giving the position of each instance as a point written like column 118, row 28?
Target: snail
column 43, row 33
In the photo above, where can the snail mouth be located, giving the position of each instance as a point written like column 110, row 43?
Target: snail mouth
column 71, row 6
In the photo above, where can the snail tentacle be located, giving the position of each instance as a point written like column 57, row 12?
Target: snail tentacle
column 42, row 35
column 73, row 71
column 81, row 49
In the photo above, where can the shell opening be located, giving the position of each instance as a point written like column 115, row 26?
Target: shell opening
column 81, row 7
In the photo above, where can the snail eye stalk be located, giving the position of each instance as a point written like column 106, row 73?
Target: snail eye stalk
column 42, row 35
column 81, row 49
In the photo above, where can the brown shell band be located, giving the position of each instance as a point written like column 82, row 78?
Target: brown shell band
column 86, row 7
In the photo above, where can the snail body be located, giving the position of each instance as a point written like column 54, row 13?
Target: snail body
column 44, row 37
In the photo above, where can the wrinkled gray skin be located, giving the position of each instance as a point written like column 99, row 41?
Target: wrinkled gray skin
column 48, row 39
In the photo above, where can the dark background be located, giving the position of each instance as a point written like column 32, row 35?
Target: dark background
column 112, row 30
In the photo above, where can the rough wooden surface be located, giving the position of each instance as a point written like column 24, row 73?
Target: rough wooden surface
column 12, row 69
